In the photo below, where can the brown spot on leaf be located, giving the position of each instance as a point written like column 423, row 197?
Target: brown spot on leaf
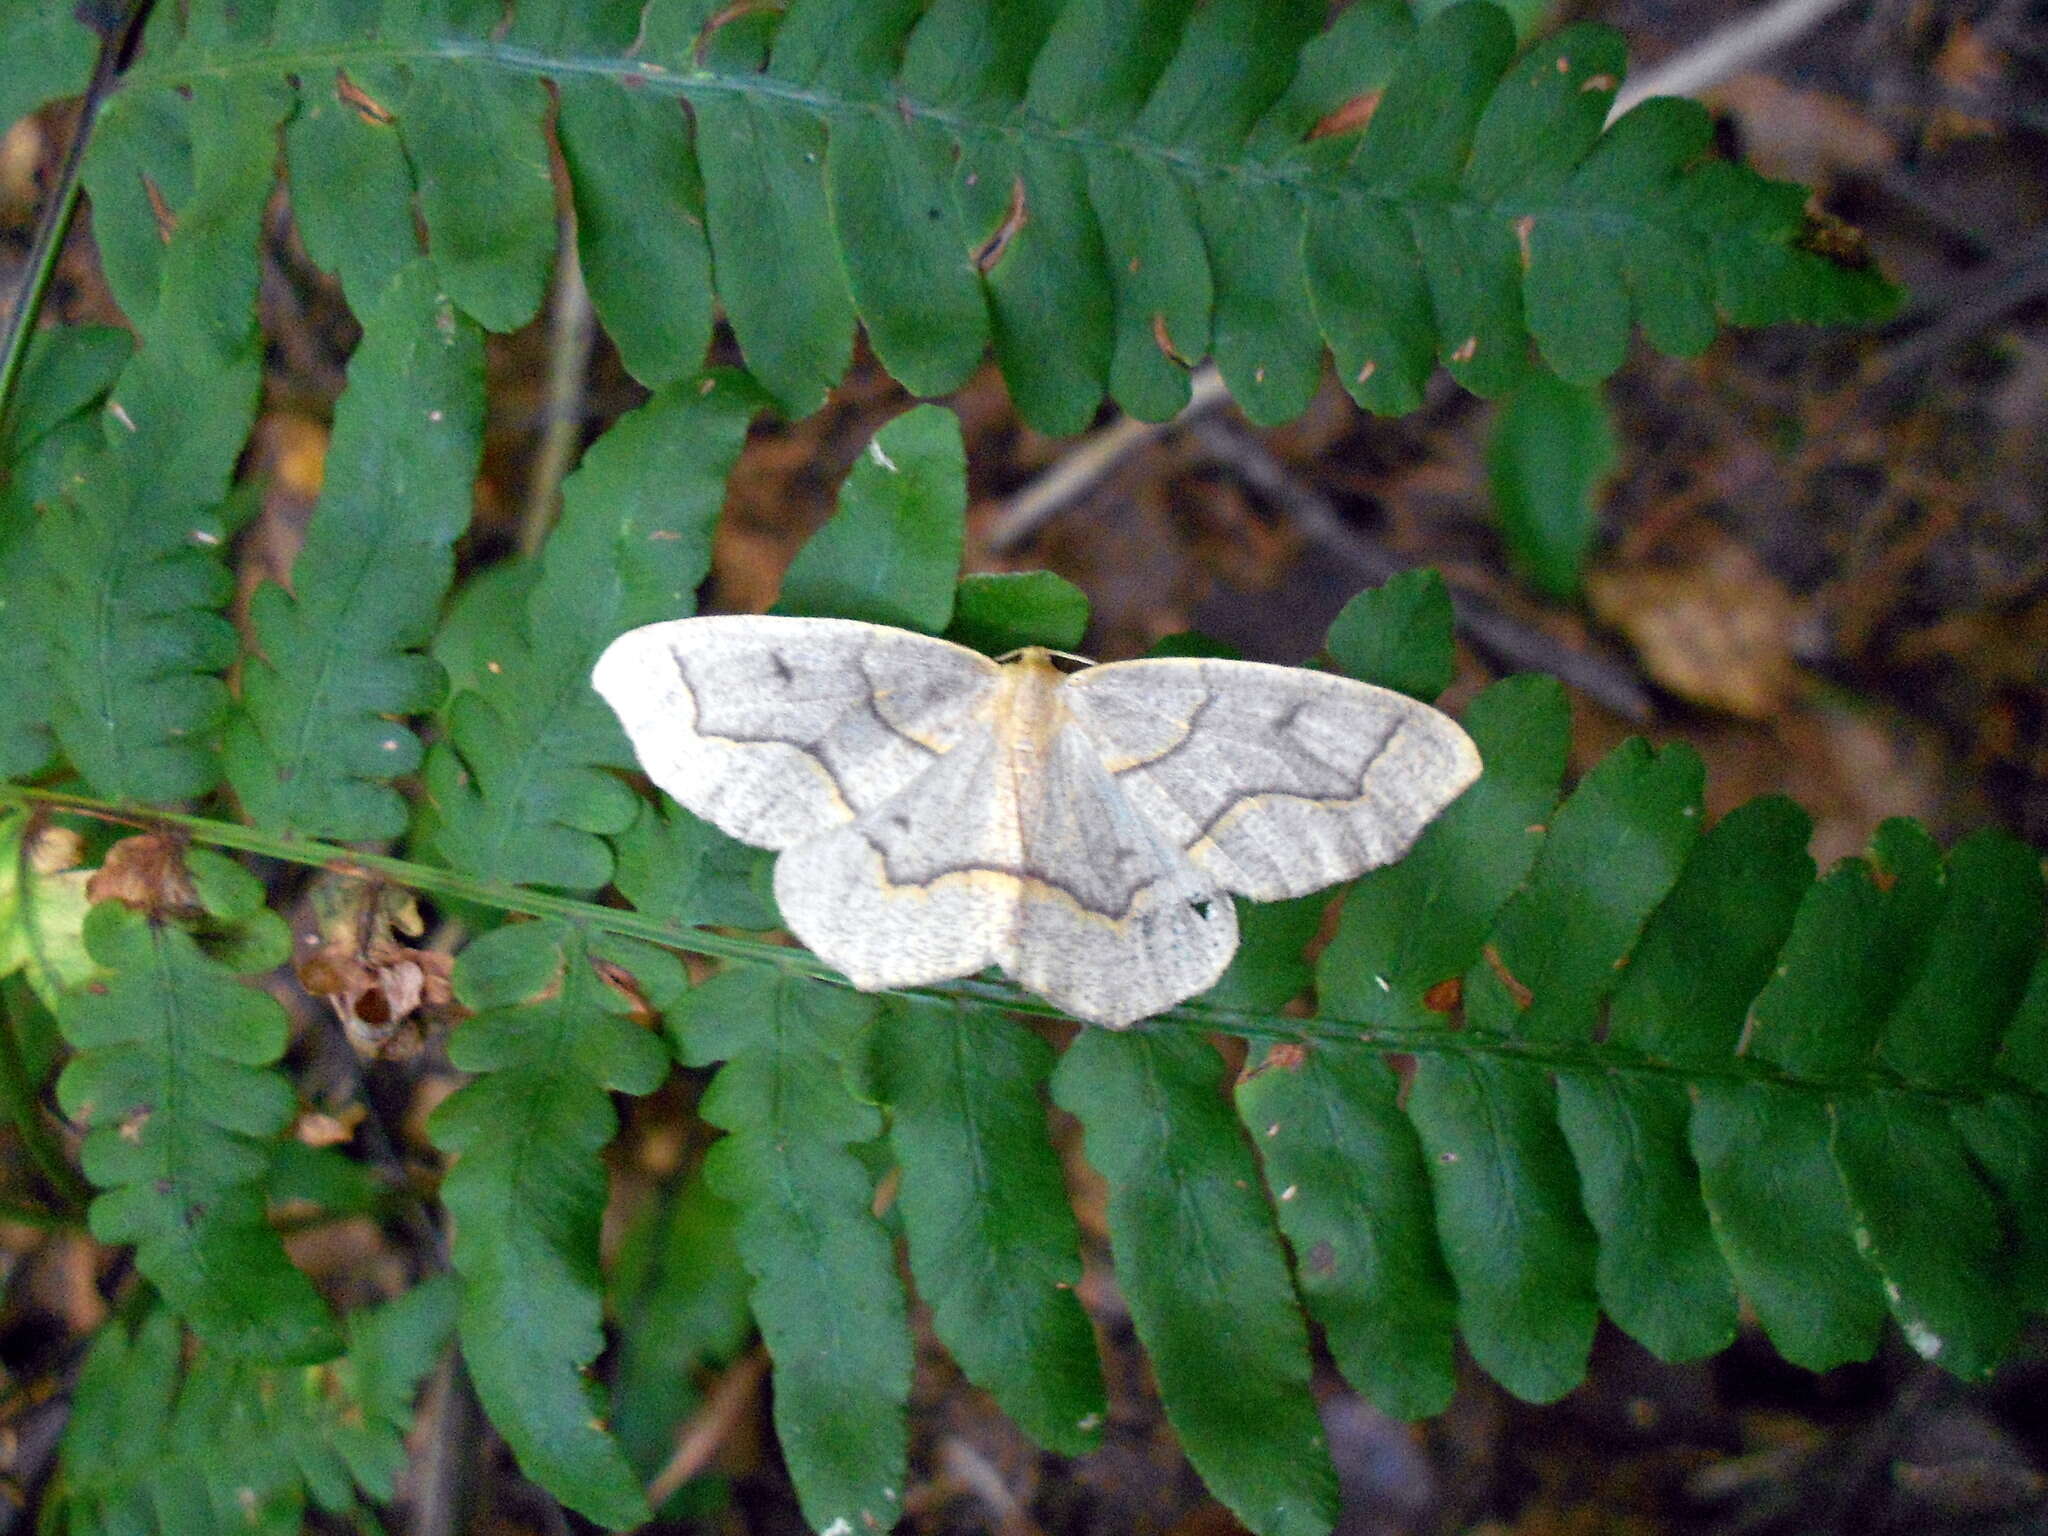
column 1370, row 367
column 1286, row 1057
column 368, row 107
column 1445, row 996
column 1347, row 116
column 166, row 220
column 1564, row 64
column 316, row 1128
column 1467, row 350
column 146, row 873
column 1525, row 226
column 1014, row 219
column 131, row 1126
column 1522, row 995
column 725, row 15
column 1601, row 82
column 1164, row 341
column 1321, row 1260
column 627, row 985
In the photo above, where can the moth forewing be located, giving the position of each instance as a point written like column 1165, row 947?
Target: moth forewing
column 774, row 729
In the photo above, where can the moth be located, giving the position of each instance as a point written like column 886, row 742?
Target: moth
column 937, row 812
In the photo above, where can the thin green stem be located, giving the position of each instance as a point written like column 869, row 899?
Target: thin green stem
column 1554, row 1055
column 24, row 1106
column 62, row 204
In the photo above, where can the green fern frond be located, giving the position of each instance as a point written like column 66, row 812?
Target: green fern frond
column 216, row 1447
column 174, row 1076
column 1654, row 1068
column 1346, row 1171
column 316, row 737
column 891, row 552
column 1200, row 1263
column 826, row 1295
column 134, row 580
column 519, row 788
column 993, row 1245
column 550, row 1041
column 64, row 378
column 1103, row 202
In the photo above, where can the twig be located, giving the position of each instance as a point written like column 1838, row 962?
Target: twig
column 571, row 332
column 709, row 1425
column 974, row 1472
column 1090, row 462
column 445, row 1476
column 1510, row 641
column 1727, row 51
column 117, row 45
column 1965, row 307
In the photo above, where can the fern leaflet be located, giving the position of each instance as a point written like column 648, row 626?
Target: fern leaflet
column 550, row 1040
column 217, row 1447
column 518, row 790
column 316, row 739
column 173, row 1073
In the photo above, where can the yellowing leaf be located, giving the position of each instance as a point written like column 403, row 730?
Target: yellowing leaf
column 42, row 907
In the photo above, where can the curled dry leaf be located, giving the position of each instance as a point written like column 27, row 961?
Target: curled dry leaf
column 1717, row 630
column 378, row 996
column 377, row 986
column 147, row 873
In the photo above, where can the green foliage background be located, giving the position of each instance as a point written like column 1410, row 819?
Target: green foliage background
column 1681, row 1066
